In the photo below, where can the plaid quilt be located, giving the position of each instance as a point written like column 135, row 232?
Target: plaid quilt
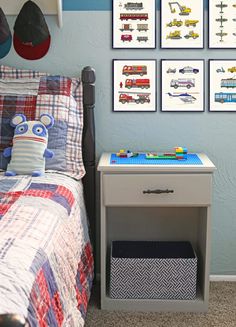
column 34, row 93
column 46, row 261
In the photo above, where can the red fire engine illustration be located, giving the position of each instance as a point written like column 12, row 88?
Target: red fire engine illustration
column 137, row 83
column 134, row 70
column 134, row 97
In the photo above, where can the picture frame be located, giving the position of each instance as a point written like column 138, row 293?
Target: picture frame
column 182, row 85
column 222, row 85
column 222, row 24
column 134, row 24
column 182, row 26
column 134, row 85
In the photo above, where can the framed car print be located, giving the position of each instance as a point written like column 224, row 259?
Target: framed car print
column 182, row 24
column 134, row 24
column 182, row 85
column 222, row 85
column 134, row 85
column 222, row 24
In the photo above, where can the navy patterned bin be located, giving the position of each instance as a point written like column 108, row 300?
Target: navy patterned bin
column 153, row 270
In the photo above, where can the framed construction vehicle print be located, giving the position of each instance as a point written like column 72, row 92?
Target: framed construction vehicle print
column 222, row 24
column 134, row 24
column 182, row 24
column 182, row 85
column 134, row 85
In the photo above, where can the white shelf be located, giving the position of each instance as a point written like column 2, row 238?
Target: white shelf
column 156, row 305
column 48, row 7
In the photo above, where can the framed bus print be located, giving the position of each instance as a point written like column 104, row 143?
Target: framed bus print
column 222, row 24
column 134, row 24
column 222, row 85
column 182, row 24
column 182, row 85
column 134, row 85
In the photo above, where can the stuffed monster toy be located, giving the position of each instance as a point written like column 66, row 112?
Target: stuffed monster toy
column 29, row 146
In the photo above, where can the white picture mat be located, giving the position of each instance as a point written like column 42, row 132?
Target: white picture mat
column 166, row 17
column 149, row 8
column 229, row 27
column 118, row 78
column 215, row 84
column 176, row 102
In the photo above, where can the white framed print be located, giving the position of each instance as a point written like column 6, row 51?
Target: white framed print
column 222, row 85
column 222, row 24
column 182, row 24
column 182, row 85
column 134, row 85
column 134, row 24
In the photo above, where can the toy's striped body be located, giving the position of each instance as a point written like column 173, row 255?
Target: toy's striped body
column 27, row 155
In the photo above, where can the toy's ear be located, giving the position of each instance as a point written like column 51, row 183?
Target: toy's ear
column 17, row 119
column 47, row 120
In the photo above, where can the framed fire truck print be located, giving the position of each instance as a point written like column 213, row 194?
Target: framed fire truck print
column 134, row 85
column 134, row 24
column 182, row 85
column 222, row 85
column 182, row 24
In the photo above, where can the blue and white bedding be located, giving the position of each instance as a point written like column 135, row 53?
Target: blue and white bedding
column 46, row 261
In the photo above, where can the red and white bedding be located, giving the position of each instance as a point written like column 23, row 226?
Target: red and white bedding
column 46, row 262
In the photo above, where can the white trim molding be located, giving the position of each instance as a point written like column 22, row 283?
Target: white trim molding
column 223, row 278
column 52, row 7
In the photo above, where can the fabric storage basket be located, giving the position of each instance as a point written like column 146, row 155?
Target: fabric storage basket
column 153, row 270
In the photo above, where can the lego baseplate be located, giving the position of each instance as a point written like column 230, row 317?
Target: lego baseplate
column 192, row 159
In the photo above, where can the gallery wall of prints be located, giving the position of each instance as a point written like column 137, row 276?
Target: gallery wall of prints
column 181, row 26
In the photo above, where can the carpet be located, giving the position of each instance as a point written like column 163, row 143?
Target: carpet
column 222, row 312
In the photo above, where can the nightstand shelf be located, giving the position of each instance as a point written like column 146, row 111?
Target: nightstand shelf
column 129, row 214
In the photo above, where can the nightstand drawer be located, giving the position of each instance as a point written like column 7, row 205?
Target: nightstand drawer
column 156, row 189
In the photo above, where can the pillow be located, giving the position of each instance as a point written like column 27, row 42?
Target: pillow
column 33, row 94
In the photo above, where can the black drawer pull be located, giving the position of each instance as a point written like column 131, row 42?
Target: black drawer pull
column 157, row 191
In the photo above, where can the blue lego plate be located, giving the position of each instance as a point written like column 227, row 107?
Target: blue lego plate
column 192, row 159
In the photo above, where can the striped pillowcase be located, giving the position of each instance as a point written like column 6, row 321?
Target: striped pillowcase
column 33, row 93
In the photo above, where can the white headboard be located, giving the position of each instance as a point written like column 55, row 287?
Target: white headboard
column 48, row 7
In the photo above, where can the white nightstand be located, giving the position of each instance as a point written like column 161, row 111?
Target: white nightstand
column 156, row 202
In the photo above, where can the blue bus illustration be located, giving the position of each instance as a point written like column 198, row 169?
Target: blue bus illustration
column 225, row 97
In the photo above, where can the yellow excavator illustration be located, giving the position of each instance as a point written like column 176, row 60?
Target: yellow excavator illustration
column 184, row 11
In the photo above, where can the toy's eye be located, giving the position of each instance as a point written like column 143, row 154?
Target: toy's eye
column 21, row 129
column 39, row 130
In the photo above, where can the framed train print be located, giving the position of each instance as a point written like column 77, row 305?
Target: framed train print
column 182, row 24
column 134, row 85
column 182, row 85
column 222, row 85
column 134, row 24
column 222, row 24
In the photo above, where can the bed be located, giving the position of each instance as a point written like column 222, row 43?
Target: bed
column 47, row 223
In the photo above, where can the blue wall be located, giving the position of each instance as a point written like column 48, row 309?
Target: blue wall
column 85, row 39
column 87, row 5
